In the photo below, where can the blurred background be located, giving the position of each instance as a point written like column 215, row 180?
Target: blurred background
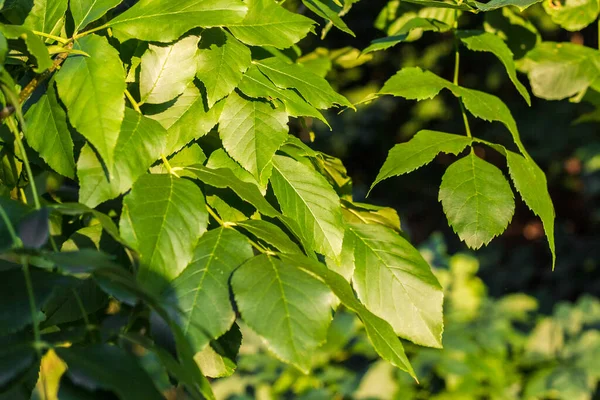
column 514, row 328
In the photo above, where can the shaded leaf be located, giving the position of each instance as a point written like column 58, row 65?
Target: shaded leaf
column 163, row 217
column 48, row 133
column 201, row 292
column 271, row 234
column 34, row 44
column 293, row 312
column 424, row 24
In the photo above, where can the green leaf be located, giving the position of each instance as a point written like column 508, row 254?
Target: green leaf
column 201, row 292
column 15, row 313
column 416, row 84
column 14, row 211
column 95, row 110
column 255, row 84
column 520, row 34
column 218, row 359
column 166, row 71
column 293, row 311
column 420, row 151
column 424, row 24
column 269, row 24
column 573, row 15
column 252, row 131
column 64, row 307
column 271, row 234
column 484, row 41
column 560, row 70
column 530, row 182
column 34, row 44
column 187, row 119
column 220, row 159
column 325, row 10
column 312, row 87
column 48, row 133
column 86, row 11
column 380, row 332
column 107, row 367
column 395, row 283
column 495, row 4
column 163, row 217
column 222, row 61
column 225, row 178
column 166, row 20
column 311, row 205
column 477, row 200
column 47, row 16
column 140, row 144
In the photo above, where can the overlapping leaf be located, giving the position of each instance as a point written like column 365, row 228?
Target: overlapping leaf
column 141, row 142
column 163, row 217
column 573, row 15
column 252, row 131
column 48, row 133
column 95, row 110
column 87, row 11
column 269, row 24
column 187, row 119
column 484, row 41
column 47, row 16
column 477, row 200
column 166, row 71
column 222, row 61
column 201, row 292
column 311, row 204
column 328, row 11
column 34, row 44
column 293, row 311
column 167, row 20
column 312, row 87
column 425, row 24
column 395, row 283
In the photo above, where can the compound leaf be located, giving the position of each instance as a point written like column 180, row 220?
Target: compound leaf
column 477, row 200
column 293, row 311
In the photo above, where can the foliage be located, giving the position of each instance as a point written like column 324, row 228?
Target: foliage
column 493, row 349
column 155, row 196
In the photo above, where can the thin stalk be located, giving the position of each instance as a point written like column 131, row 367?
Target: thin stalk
column 231, row 225
column 456, row 74
column 9, row 226
column 96, row 29
column 134, row 103
column 53, row 37
column 32, row 307
column 13, row 127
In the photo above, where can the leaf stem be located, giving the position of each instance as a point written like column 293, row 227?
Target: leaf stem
column 13, row 127
column 134, row 103
column 53, row 37
column 32, row 306
column 456, row 74
column 231, row 225
column 96, row 29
